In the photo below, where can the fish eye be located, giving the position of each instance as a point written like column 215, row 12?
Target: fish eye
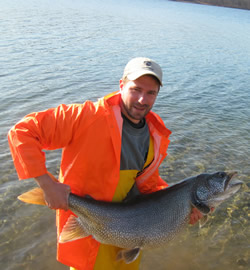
column 221, row 174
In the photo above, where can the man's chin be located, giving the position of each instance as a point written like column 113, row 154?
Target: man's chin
column 137, row 117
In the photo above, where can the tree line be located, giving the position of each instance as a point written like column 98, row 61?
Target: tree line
column 242, row 4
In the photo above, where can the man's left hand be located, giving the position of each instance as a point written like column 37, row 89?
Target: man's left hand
column 195, row 216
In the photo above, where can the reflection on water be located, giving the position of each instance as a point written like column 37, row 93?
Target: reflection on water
column 54, row 53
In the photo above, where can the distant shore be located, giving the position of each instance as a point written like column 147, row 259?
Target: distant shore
column 241, row 4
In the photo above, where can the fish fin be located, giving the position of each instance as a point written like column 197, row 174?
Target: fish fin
column 203, row 221
column 34, row 196
column 72, row 230
column 128, row 255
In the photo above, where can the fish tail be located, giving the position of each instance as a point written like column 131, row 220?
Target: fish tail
column 36, row 195
column 33, row 196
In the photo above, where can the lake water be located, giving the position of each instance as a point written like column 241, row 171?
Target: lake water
column 54, row 52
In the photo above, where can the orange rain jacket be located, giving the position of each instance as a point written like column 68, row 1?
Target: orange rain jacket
column 90, row 136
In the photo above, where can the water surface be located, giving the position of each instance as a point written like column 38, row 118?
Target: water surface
column 54, row 52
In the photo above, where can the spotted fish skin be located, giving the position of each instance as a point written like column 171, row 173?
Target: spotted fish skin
column 153, row 219
column 146, row 221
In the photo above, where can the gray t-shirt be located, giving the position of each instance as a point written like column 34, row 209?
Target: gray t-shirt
column 135, row 144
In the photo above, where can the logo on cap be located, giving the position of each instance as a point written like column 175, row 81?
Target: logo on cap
column 148, row 63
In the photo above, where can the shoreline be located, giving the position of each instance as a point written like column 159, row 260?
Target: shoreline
column 243, row 4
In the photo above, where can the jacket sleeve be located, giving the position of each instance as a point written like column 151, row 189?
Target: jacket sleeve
column 161, row 184
column 48, row 130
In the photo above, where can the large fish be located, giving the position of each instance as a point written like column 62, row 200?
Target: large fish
column 146, row 221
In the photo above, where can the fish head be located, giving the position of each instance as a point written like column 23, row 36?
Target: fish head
column 212, row 189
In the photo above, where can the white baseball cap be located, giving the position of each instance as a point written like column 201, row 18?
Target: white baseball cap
column 140, row 66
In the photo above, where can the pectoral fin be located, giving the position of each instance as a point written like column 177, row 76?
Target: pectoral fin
column 128, row 255
column 72, row 230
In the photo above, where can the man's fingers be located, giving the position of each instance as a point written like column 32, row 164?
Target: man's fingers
column 195, row 216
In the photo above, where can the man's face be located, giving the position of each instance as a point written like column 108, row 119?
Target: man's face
column 138, row 97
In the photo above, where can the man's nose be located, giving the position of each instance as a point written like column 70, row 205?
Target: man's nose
column 142, row 98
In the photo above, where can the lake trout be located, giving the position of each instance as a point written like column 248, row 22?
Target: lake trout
column 146, row 221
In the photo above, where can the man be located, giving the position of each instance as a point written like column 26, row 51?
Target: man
column 111, row 148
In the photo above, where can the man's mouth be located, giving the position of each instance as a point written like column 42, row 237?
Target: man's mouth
column 140, row 108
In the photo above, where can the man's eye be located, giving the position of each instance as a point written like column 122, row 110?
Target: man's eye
column 135, row 89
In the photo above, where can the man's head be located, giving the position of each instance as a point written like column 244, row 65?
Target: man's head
column 139, row 87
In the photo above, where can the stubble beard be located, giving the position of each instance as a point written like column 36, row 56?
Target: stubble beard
column 136, row 116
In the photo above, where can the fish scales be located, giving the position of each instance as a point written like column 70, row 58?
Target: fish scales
column 146, row 221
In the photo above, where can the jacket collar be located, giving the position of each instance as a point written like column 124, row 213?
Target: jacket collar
column 113, row 98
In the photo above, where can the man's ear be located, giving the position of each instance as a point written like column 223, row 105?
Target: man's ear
column 121, row 84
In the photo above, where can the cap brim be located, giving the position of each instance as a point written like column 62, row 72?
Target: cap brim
column 140, row 73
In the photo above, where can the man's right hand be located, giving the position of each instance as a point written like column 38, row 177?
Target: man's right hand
column 55, row 193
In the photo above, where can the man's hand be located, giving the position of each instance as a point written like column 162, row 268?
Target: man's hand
column 55, row 193
column 195, row 216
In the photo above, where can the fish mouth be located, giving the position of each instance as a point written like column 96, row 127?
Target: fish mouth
column 231, row 183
